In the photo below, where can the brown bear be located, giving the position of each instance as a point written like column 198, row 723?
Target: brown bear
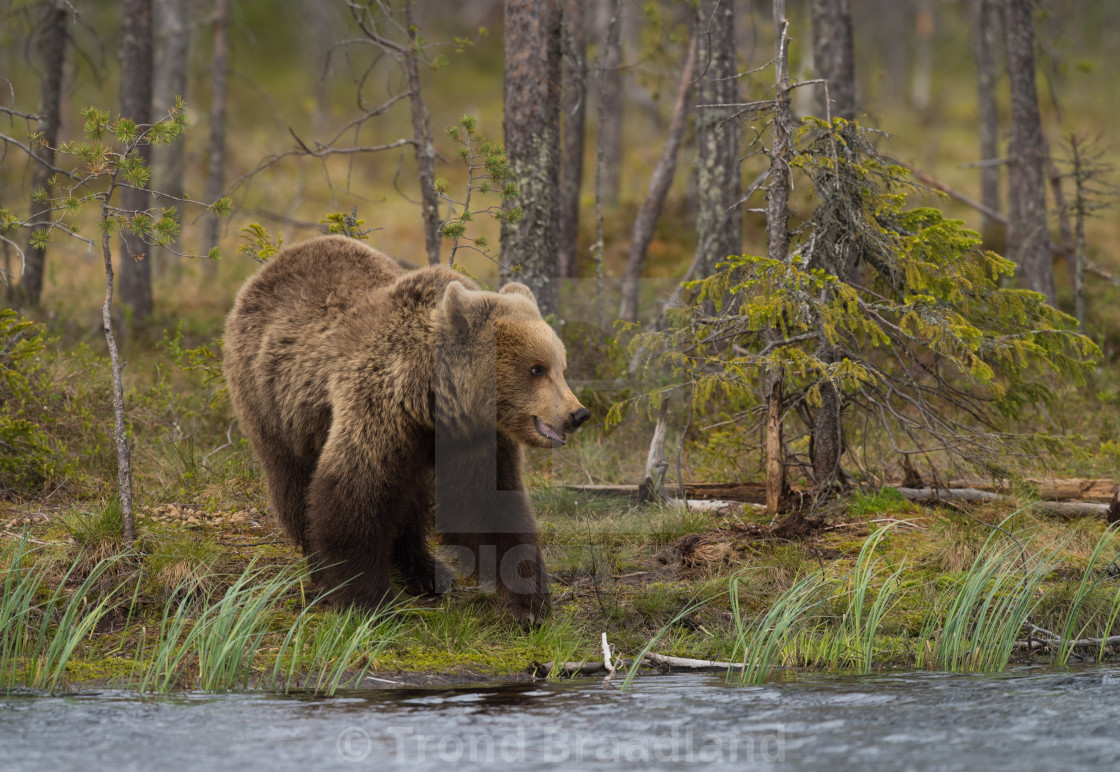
column 375, row 398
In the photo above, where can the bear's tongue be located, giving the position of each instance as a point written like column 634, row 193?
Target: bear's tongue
column 547, row 430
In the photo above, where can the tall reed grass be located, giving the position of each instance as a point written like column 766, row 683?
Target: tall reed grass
column 972, row 623
column 40, row 628
column 257, row 631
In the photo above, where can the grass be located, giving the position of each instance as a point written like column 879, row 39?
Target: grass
column 190, row 609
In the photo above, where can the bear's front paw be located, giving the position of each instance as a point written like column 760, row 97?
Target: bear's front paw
column 528, row 610
column 437, row 581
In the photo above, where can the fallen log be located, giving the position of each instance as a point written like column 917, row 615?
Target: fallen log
column 1035, row 643
column 684, row 663
column 1064, row 509
column 653, row 659
column 1049, row 488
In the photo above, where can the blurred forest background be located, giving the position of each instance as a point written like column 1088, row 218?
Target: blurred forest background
column 303, row 117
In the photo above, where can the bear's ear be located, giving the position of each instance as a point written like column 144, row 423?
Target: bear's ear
column 513, row 288
column 456, row 299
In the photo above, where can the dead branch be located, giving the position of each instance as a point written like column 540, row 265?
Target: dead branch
column 1067, row 510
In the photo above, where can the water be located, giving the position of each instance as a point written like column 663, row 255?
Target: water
column 1026, row 719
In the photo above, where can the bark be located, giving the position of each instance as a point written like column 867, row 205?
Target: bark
column 1064, row 509
column 219, row 81
column 777, row 237
column 610, row 114
column 136, row 103
column 833, row 57
column 921, row 85
column 642, row 233
column 1028, row 241
column 120, row 430
column 574, row 108
column 612, row 34
column 827, row 433
column 423, row 144
column 985, row 18
column 172, row 25
column 835, row 62
column 653, row 481
column 719, row 220
column 532, row 132
column 52, row 39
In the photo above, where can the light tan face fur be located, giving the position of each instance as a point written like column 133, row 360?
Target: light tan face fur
column 535, row 404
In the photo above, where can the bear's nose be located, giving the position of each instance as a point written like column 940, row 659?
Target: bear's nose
column 580, row 416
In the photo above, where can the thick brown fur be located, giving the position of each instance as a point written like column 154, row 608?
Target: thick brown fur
column 375, row 397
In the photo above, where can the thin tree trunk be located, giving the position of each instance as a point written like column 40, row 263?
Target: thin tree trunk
column 921, row 85
column 136, row 103
column 833, row 57
column 532, row 131
column 52, row 46
column 986, row 17
column 777, row 238
column 574, row 108
column 659, row 183
column 653, row 480
column 612, row 33
column 219, row 81
column 719, row 220
column 172, row 23
column 120, row 431
column 1080, row 211
column 828, row 430
column 610, row 118
column 424, row 146
column 1028, row 240
column 835, row 61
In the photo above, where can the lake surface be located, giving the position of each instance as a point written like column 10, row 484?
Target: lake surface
column 1025, row 719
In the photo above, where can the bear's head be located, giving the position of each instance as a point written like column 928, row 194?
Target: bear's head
column 505, row 335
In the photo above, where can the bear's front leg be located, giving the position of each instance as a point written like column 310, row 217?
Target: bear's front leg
column 481, row 505
column 351, row 529
column 522, row 578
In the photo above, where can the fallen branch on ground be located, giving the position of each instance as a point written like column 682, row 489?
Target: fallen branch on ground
column 652, row 659
column 1064, row 509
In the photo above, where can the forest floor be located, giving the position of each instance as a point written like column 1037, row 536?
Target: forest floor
column 683, row 580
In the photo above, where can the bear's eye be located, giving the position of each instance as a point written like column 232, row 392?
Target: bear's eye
column 536, row 371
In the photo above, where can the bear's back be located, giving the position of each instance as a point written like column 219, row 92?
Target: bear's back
column 280, row 334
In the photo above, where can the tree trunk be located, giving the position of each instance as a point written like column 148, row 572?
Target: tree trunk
column 921, row 84
column 1028, row 240
column 653, row 480
column 777, row 238
column 646, row 221
column 610, row 118
column 532, row 132
column 422, row 137
column 985, row 18
column 833, row 57
column 835, row 61
column 52, row 46
column 136, row 103
column 172, row 24
column 219, row 80
column 719, row 220
column 574, row 108
column 120, row 426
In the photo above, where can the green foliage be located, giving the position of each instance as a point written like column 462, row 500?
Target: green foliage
column 258, row 242
column 488, row 172
column 347, row 225
column 898, row 308
column 30, row 457
column 105, row 161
